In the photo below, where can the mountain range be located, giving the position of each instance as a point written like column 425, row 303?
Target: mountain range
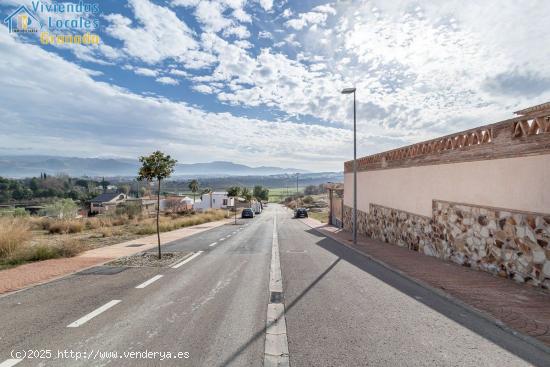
column 33, row 165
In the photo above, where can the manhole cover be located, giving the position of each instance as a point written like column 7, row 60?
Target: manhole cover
column 102, row 270
column 136, row 245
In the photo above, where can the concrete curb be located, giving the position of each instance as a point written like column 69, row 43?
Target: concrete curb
column 482, row 314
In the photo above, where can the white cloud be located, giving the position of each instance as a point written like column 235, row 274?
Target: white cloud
column 210, row 13
column 167, row 80
column 304, row 19
column 287, row 13
column 145, row 71
column 266, row 4
column 265, row 34
column 161, row 34
column 92, row 122
column 237, row 31
column 203, row 88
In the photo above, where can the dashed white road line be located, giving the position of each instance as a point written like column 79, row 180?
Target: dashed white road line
column 10, row 362
column 146, row 283
column 222, row 239
column 93, row 314
column 234, row 232
column 213, row 244
column 187, row 260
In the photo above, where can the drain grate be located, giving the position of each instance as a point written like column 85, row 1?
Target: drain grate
column 276, row 297
column 136, row 245
column 102, row 270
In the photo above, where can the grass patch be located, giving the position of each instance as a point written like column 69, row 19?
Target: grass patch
column 168, row 224
column 320, row 216
column 14, row 233
column 24, row 254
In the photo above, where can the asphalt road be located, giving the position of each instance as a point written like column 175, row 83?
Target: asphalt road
column 341, row 310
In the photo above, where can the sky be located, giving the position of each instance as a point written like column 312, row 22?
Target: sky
column 258, row 82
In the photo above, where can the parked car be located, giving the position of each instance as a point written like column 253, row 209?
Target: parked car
column 247, row 213
column 300, row 213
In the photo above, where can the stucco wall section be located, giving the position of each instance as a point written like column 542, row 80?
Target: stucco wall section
column 521, row 183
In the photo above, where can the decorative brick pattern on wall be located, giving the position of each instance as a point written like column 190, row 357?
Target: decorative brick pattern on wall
column 509, row 243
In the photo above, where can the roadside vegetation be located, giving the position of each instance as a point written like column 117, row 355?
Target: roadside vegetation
column 314, row 199
column 26, row 238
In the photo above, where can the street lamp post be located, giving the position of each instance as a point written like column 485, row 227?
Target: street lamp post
column 354, row 213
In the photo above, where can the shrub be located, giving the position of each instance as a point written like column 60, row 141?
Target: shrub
column 13, row 235
column 64, row 208
column 105, row 232
column 307, row 200
column 39, row 223
column 119, row 220
column 65, row 226
column 75, row 226
column 70, row 247
column 20, row 212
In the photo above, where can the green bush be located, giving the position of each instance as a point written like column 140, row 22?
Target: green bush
column 20, row 212
column 64, row 208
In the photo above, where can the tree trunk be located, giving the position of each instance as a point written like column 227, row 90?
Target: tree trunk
column 158, row 216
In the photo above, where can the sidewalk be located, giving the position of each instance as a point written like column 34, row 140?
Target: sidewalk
column 519, row 307
column 43, row 271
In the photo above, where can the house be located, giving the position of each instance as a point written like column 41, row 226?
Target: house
column 176, row 204
column 214, row 200
column 106, row 202
column 148, row 205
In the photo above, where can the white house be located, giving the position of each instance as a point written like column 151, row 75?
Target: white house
column 214, row 200
column 176, row 203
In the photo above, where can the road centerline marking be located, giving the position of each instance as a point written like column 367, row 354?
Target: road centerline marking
column 187, row 260
column 96, row 312
column 276, row 343
column 213, row 244
column 147, row 282
column 10, row 362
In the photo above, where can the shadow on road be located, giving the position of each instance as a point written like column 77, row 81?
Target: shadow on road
column 462, row 316
column 442, row 305
column 261, row 333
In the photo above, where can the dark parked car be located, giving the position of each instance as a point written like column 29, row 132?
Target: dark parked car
column 300, row 213
column 247, row 213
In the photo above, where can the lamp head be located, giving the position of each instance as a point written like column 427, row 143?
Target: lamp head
column 348, row 90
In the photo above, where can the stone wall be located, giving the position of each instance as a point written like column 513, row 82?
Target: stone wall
column 508, row 243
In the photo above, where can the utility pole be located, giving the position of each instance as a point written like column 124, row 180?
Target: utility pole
column 297, row 174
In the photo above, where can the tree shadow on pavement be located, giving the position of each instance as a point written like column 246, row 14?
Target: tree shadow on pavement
column 530, row 352
column 438, row 303
column 261, row 333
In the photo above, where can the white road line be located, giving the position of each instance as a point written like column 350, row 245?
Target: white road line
column 276, row 342
column 228, row 236
column 146, row 283
column 222, row 239
column 187, row 260
column 234, row 232
column 213, row 244
column 93, row 314
column 10, row 362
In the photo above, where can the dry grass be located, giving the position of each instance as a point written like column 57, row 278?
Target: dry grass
column 14, row 233
column 168, row 224
column 29, row 239
column 66, row 226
